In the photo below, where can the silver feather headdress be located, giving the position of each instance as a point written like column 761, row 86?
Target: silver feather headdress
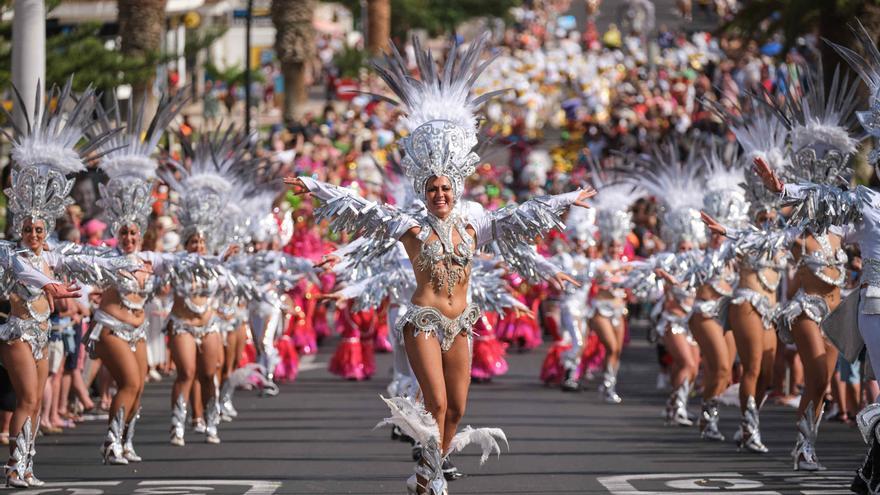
column 761, row 135
column 439, row 111
column 51, row 146
column 611, row 202
column 868, row 69
column 127, row 196
column 819, row 124
column 676, row 183
column 725, row 198
column 206, row 181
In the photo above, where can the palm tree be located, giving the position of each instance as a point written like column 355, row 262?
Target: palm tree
column 295, row 48
column 141, row 24
column 378, row 25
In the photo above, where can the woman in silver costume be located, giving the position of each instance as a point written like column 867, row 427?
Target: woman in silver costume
column 674, row 181
column 118, row 330
column 437, row 326
column 43, row 153
column 762, row 258
column 821, row 147
column 606, row 309
column 196, row 278
column 725, row 200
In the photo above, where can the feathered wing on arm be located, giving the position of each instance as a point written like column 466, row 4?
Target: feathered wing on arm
column 515, row 228
column 88, row 265
column 351, row 213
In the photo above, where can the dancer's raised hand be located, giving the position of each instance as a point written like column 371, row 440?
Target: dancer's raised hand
column 298, row 186
column 584, row 195
column 768, row 176
column 712, row 224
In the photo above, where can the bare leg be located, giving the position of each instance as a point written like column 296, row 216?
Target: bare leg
column 717, row 362
column 609, row 337
column 123, row 365
column 684, row 363
column 183, row 353
column 457, row 376
column 750, row 337
column 819, row 359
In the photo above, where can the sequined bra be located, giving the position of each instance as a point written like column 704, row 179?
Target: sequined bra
column 197, row 287
column 826, row 257
column 446, row 262
column 127, row 286
column 30, row 295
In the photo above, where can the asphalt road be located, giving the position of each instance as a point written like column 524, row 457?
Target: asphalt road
column 317, row 437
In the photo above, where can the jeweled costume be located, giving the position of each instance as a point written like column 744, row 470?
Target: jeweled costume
column 439, row 115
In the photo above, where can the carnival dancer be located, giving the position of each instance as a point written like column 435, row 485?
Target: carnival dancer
column 437, row 327
column 822, row 204
column 118, row 332
column 761, row 250
column 606, row 311
column 725, row 200
column 674, row 180
column 196, row 277
column 821, row 148
column 50, row 146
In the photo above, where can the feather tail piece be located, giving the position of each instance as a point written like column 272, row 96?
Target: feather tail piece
column 412, row 419
column 486, row 438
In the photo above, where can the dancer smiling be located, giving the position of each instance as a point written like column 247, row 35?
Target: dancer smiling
column 438, row 324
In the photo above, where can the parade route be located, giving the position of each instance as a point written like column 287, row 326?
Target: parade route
column 316, row 437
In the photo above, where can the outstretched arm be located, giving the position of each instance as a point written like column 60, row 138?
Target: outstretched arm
column 351, row 213
column 514, row 230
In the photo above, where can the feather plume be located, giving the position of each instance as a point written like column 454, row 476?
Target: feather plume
column 412, row 419
column 486, row 438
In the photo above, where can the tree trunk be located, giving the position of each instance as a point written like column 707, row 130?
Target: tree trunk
column 378, row 25
column 295, row 48
column 295, row 90
column 141, row 25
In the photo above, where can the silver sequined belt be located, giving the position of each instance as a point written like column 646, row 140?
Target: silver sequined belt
column 129, row 333
column 430, row 321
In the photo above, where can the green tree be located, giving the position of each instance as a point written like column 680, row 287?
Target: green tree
column 437, row 17
column 763, row 20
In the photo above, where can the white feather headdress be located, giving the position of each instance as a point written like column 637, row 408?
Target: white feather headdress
column 439, row 111
column 206, row 181
column 675, row 182
column 50, row 146
column 819, row 122
column 611, row 202
column 128, row 162
column 725, row 198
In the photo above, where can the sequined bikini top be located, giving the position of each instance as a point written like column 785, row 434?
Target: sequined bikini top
column 825, row 257
column 131, row 287
column 30, row 295
column 446, row 262
column 193, row 287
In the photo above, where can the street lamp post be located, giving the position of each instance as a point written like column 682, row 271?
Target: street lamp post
column 28, row 52
column 247, row 66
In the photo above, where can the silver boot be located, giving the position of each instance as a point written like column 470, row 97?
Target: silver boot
column 867, row 479
column 212, row 420
column 676, row 407
column 18, row 460
column 608, row 387
column 227, row 410
column 750, row 429
column 709, row 421
column 804, row 453
column 29, row 464
column 178, row 421
column 128, row 446
column 112, row 451
column 429, row 472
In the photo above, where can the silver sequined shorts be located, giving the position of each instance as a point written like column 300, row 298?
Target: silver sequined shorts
column 676, row 325
column 429, row 321
column 607, row 308
column 759, row 302
column 129, row 333
column 177, row 327
column 29, row 331
column 812, row 306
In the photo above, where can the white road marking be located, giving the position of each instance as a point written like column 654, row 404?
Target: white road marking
column 822, row 483
column 256, row 487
